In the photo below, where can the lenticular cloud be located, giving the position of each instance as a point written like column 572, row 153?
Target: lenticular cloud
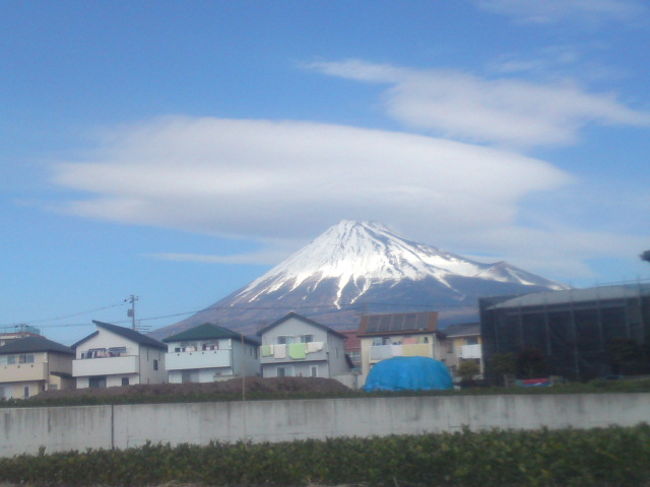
column 259, row 178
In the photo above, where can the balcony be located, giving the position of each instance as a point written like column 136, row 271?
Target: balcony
column 470, row 351
column 23, row 372
column 201, row 359
column 293, row 352
column 382, row 352
column 126, row 364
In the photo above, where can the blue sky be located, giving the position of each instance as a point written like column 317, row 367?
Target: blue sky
column 177, row 150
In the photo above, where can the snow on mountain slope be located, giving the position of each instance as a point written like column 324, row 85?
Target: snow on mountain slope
column 359, row 267
column 358, row 255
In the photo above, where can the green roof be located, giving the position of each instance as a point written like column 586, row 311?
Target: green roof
column 206, row 331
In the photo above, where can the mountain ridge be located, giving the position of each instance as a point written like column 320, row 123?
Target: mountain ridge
column 355, row 267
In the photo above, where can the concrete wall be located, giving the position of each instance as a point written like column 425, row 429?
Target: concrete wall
column 24, row 430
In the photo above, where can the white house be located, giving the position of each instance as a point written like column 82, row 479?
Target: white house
column 118, row 356
column 33, row 364
column 207, row 353
column 297, row 346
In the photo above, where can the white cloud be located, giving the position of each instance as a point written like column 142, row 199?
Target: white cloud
column 502, row 111
column 263, row 179
column 280, row 183
column 549, row 11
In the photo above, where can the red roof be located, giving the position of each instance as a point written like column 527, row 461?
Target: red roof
column 352, row 341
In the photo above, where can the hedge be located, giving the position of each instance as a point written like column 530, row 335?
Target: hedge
column 613, row 456
column 593, row 387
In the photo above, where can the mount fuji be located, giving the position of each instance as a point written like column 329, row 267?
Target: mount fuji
column 359, row 267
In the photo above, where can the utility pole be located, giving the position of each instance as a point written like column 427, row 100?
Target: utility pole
column 131, row 312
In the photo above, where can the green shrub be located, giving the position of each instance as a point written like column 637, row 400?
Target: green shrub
column 612, row 456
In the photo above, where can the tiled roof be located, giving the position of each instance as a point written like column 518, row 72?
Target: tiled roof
column 303, row 319
column 207, row 331
column 33, row 344
column 127, row 333
column 386, row 324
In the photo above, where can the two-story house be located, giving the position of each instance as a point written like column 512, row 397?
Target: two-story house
column 208, row 353
column 463, row 343
column 33, row 364
column 297, row 346
column 390, row 335
column 118, row 356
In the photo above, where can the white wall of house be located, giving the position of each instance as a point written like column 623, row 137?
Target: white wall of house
column 337, row 363
column 152, row 365
column 246, row 359
column 199, row 365
column 328, row 362
column 140, row 369
column 298, row 369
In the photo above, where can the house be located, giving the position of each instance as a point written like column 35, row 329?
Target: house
column 575, row 333
column 399, row 335
column 19, row 331
column 353, row 348
column 462, row 343
column 118, row 356
column 297, row 346
column 207, row 353
column 33, row 364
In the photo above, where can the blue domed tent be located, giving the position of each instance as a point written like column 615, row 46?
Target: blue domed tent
column 408, row 373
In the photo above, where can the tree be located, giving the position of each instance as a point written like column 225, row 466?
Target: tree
column 468, row 369
column 531, row 364
column 503, row 365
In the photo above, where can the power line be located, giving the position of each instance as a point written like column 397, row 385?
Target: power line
column 63, row 317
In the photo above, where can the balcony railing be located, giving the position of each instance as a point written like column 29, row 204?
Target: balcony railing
column 125, row 364
column 381, row 352
column 289, row 352
column 470, row 351
column 23, row 372
column 198, row 359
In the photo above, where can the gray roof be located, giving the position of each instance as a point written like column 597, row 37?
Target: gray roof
column 462, row 329
column 32, row 344
column 127, row 333
column 601, row 293
column 208, row 331
column 303, row 319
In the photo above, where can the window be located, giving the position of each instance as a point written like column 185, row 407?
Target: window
column 284, row 372
column 285, row 340
column 155, row 364
column 52, row 387
column 26, row 392
column 306, row 338
column 125, row 381
column 471, row 341
column 116, row 351
column 26, row 358
column 11, row 359
column 97, row 382
column 314, row 370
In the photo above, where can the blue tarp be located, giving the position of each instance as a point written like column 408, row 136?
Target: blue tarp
column 408, row 373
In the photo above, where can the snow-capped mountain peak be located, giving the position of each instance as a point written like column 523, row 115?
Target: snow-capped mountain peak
column 357, row 255
column 361, row 267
